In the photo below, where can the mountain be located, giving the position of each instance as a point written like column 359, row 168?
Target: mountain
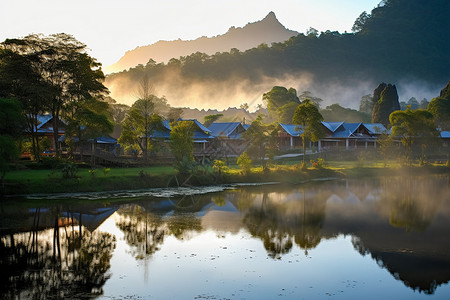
column 403, row 42
column 268, row 31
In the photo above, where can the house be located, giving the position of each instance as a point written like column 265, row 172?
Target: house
column 445, row 136
column 202, row 135
column 227, row 138
column 44, row 127
column 350, row 135
column 337, row 135
column 289, row 136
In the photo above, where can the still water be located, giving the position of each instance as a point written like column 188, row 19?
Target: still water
column 373, row 239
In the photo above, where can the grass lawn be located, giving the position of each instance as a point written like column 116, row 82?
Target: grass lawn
column 51, row 181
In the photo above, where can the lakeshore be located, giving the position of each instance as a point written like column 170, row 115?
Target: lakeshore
column 49, row 181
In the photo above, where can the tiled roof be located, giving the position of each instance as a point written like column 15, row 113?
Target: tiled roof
column 332, row 126
column 225, row 129
column 376, row 128
column 292, row 130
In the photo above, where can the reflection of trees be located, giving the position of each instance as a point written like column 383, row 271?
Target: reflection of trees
column 54, row 263
column 145, row 231
column 420, row 256
column 279, row 224
column 413, row 201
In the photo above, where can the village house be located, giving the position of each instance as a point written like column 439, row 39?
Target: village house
column 337, row 135
column 228, row 139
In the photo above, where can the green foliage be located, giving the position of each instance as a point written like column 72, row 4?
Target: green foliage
column 55, row 71
column 261, row 139
column 337, row 113
column 440, row 108
column 387, row 103
column 309, row 118
column 182, row 142
column 244, row 162
column 106, row 171
column 10, row 129
column 414, row 128
column 219, row 166
column 317, row 163
column 209, row 119
column 281, row 103
column 69, row 170
column 139, row 124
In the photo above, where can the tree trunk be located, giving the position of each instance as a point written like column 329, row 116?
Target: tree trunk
column 55, row 134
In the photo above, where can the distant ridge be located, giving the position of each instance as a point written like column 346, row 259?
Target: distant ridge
column 269, row 30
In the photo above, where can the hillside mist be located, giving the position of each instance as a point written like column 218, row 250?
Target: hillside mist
column 268, row 30
column 404, row 42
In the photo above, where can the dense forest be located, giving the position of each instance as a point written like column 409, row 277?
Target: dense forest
column 399, row 40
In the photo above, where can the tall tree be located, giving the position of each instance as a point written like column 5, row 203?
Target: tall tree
column 309, row 119
column 440, row 108
column 87, row 120
column 139, row 125
column 277, row 100
column 63, row 64
column 262, row 140
column 413, row 127
column 10, row 129
column 182, row 141
column 387, row 103
column 19, row 80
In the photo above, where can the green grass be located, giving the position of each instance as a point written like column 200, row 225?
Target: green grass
column 51, row 181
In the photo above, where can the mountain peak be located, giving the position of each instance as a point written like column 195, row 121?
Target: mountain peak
column 270, row 16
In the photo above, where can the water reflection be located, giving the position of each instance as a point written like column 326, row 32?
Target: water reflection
column 54, row 261
column 400, row 222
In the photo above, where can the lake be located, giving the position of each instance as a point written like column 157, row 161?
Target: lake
column 345, row 239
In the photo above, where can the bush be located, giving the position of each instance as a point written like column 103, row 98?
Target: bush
column 69, row 171
column 244, row 162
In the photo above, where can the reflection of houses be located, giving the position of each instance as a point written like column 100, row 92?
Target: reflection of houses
column 227, row 138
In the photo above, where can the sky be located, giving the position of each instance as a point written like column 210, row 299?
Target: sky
column 109, row 28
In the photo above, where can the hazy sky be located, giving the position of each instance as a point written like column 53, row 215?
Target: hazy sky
column 111, row 27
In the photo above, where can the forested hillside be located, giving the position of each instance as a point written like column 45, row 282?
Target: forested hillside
column 400, row 40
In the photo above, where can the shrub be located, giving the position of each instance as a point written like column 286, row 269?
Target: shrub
column 244, row 162
column 69, row 171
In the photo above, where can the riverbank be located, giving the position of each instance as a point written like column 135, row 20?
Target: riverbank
column 22, row 182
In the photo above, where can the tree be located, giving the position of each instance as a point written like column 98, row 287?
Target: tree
column 182, row 141
column 19, row 80
column 87, row 120
column 10, row 129
column 366, row 104
column 244, row 106
column 337, row 113
column 174, row 114
column 413, row 103
column 277, row 98
column 440, row 108
column 209, row 119
column 387, row 103
column 309, row 119
column 244, row 162
column 360, row 22
column 308, row 95
column 139, row 125
column 413, row 127
column 62, row 64
column 261, row 139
